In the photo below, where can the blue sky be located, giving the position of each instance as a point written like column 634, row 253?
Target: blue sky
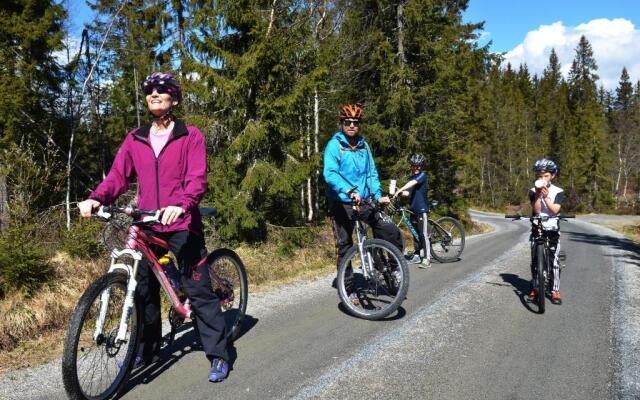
column 507, row 22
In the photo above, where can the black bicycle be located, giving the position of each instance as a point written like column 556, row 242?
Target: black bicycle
column 373, row 276
column 541, row 255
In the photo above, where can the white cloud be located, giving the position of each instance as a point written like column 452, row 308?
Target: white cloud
column 615, row 44
column 62, row 56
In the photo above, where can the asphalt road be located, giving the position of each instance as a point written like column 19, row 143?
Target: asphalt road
column 465, row 331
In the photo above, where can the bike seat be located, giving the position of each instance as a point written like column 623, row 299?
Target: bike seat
column 208, row 211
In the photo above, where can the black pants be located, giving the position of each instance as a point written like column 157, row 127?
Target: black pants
column 383, row 228
column 420, row 246
column 189, row 249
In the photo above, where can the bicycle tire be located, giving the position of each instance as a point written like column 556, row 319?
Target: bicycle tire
column 540, row 265
column 78, row 340
column 377, row 299
column 226, row 264
column 446, row 239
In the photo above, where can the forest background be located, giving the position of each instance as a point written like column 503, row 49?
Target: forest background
column 263, row 80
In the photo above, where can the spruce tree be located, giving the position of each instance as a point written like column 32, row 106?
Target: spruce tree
column 587, row 163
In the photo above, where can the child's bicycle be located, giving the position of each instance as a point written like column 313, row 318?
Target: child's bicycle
column 445, row 235
column 541, row 255
column 101, row 342
column 373, row 276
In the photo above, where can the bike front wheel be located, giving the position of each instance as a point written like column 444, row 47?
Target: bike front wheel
column 95, row 365
column 373, row 285
column 446, row 238
column 229, row 282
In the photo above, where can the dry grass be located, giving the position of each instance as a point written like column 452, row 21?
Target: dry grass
column 266, row 269
column 632, row 232
column 43, row 318
column 478, row 228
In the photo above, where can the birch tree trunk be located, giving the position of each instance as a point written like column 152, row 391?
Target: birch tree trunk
column 271, row 17
column 3, row 203
column 308, row 151
column 482, row 162
column 400, row 26
column 316, row 144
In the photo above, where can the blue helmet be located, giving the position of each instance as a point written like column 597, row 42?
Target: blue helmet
column 546, row 165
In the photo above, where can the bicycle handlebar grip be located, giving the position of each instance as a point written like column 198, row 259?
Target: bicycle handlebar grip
column 145, row 212
column 513, row 216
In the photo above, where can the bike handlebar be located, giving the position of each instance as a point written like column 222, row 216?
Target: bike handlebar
column 538, row 217
column 148, row 216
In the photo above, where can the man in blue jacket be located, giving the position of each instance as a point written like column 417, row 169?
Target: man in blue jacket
column 351, row 176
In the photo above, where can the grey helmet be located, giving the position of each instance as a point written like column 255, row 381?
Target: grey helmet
column 546, row 165
column 417, row 159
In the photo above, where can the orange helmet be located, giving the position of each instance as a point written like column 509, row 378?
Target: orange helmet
column 351, row 111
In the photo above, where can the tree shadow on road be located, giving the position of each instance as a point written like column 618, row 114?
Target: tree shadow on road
column 631, row 249
column 186, row 342
column 521, row 288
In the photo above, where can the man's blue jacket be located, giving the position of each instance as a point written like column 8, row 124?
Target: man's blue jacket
column 348, row 169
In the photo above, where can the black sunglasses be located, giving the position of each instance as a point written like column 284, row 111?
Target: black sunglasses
column 160, row 89
column 349, row 122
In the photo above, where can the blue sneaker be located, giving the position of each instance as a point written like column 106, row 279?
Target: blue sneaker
column 219, row 370
column 137, row 363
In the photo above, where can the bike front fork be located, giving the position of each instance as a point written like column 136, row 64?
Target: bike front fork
column 127, row 307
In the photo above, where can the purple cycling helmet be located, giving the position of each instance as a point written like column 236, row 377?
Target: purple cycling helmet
column 164, row 80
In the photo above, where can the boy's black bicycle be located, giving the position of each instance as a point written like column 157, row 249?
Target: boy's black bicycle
column 445, row 235
column 542, row 258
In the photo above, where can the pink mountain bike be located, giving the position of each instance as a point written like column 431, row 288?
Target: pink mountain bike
column 101, row 342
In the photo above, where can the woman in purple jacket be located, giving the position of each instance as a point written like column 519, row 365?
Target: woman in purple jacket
column 169, row 160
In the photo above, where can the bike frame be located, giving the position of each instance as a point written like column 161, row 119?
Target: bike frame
column 137, row 247
column 361, row 234
column 407, row 222
column 403, row 218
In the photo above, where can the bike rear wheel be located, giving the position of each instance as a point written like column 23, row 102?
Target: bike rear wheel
column 382, row 288
column 229, row 282
column 446, row 238
column 540, row 267
column 97, row 366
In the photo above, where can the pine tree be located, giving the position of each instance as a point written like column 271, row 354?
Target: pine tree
column 626, row 134
column 31, row 32
column 587, row 162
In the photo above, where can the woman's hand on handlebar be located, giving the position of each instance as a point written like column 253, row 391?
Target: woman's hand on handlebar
column 86, row 207
column 170, row 214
